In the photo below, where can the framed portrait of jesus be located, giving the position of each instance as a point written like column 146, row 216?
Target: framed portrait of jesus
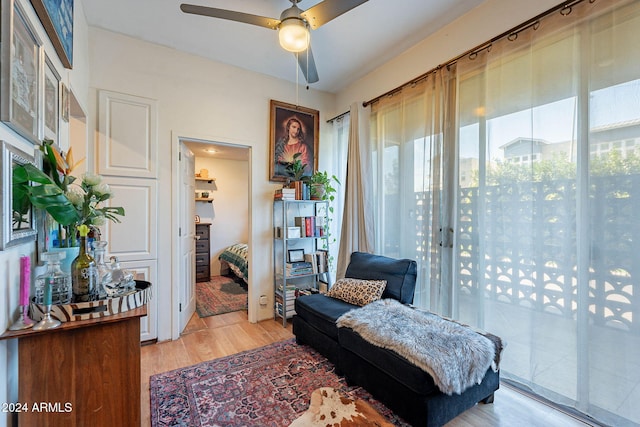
column 293, row 141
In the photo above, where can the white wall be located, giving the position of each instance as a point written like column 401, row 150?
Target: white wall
column 77, row 80
column 229, row 211
column 488, row 20
column 204, row 100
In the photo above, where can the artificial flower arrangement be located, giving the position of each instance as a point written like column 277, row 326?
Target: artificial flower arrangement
column 69, row 202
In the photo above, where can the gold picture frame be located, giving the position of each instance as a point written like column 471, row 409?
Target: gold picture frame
column 293, row 129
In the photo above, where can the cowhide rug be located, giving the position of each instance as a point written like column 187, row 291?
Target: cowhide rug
column 329, row 408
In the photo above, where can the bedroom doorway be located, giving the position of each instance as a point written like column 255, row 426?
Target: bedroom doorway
column 221, row 218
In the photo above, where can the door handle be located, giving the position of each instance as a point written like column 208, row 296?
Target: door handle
column 196, row 237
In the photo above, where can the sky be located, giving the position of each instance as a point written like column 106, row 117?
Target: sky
column 554, row 122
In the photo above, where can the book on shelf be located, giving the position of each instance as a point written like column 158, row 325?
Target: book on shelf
column 300, row 272
column 285, row 194
column 313, row 260
column 291, row 289
column 318, row 261
column 280, row 309
column 310, row 226
column 290, row 301
column 298, row 264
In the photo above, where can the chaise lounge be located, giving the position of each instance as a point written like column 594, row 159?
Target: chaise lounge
column 408, row 390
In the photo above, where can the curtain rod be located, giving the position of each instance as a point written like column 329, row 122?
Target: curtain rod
column 564, row 8
column 339, row 116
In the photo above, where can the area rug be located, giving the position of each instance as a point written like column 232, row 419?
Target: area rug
column 222, row 294
column 268, row 386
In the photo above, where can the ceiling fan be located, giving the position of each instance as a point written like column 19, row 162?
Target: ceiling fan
column 293, row 26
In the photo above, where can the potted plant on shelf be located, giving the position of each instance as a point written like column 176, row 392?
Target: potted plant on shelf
column 322, row 186
column 296, row 168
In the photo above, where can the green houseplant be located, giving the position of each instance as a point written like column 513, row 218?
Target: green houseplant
column 296, row 168
column 322, row 186
column 70, row 203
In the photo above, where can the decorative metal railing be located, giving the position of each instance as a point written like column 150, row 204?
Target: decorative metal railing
column 518, row 243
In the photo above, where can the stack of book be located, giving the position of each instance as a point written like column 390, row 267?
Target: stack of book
column 290, row 296
column 299, row 268
column 285, row 194
column 318, row 261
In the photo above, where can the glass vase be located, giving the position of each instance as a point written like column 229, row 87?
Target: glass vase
column 84, row 275
column 104, row 269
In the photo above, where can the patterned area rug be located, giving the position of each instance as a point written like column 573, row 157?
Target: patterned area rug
column 222, row 294
column 268, row 386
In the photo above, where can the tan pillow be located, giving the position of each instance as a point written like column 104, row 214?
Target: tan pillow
column 357, row 291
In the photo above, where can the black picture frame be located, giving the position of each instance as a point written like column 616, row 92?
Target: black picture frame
column 295, row 255
column 282, row 118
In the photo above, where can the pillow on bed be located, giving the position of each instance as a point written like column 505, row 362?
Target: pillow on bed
column 357, row 291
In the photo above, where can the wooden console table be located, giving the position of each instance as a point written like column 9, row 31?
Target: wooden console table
column 84, row 373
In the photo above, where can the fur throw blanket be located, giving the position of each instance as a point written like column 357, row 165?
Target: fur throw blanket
column 454, row 355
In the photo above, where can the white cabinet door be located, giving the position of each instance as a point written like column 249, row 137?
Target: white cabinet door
column 147, row 271
column 127, row 159
column 135, row 237
column 127, row 135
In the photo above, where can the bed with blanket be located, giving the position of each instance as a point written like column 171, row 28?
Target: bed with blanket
column 234, row 258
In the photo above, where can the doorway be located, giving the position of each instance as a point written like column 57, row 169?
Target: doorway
column 221, row 221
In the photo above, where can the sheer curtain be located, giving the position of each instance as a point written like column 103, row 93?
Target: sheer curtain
column 408, row 132
column 548, row 173
column 524, row 218
column 340, row 138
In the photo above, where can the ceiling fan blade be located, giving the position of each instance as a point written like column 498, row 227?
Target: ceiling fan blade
column 327, row 10
column 231, row 15
column 308, row 65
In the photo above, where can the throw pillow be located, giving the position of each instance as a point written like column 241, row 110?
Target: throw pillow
column 357, row 291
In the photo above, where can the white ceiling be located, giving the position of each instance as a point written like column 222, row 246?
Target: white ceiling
column 345, row 49
column 218, row 150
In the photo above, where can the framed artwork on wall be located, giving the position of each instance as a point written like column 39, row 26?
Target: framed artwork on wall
column 293, row 135
column 64, row 102
column 20, row 54
column 57, row 19
column 51, row 102
column 17, row 218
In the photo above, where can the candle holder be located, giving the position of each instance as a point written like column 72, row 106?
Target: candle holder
column 24, row 321
column 47, row 321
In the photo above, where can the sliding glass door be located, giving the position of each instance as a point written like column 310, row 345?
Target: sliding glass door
column 513, row 178
column 548, row 232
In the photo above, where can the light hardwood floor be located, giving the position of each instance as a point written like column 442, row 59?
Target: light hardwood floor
column 218, row 336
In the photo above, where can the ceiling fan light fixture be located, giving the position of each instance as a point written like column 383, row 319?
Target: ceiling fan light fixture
column 293, row 34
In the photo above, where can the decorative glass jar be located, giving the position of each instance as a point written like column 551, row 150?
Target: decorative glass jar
column 54, row 285
column 104, row 269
